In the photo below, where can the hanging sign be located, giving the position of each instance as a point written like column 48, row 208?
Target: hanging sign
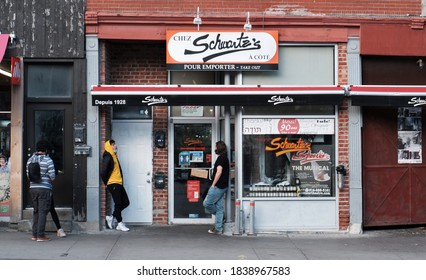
column 222, row 51
column 16, row 71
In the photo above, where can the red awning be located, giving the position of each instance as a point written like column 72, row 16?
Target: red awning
column 398, row 96
column 220, row 95
column 4, row 40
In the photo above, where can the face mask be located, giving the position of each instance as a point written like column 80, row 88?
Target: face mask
column 115, row 150
column 216, row 152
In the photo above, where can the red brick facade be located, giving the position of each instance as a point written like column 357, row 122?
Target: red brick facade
column 277, row 7
column 343, row 139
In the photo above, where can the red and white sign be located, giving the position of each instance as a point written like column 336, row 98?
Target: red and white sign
column 288, row 126
column 193, row 190
column 16, row 71
column 222, row 50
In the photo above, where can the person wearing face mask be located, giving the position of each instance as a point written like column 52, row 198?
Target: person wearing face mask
column 213, row 203
column 112, row 176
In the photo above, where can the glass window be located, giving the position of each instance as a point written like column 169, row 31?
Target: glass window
column 289, row 110
column 46, row 80
column 298, row 65
column 192, row 111
column 192, row 78
column 5, row 114
column 132, row 112
column 288, row 157
column 192, row 162
column 49, row 125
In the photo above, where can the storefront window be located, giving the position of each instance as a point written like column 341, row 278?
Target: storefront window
column 192, row 111
column 289, row 110
column 288, row 157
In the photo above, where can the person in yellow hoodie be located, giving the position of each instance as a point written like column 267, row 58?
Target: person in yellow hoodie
column 112, row 177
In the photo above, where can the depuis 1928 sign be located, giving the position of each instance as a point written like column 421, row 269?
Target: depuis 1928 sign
column 222, row 51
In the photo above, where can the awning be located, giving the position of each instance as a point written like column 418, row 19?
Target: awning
column 397, row 96
column 4, row 40
column 215, row 95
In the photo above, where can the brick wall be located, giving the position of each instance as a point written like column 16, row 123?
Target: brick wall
column 105, row 130
column 343, row 139
column 277, row 7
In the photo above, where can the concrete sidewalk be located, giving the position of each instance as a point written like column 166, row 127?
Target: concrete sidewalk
column 192, row 242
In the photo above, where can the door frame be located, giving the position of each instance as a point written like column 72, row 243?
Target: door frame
column 214, row 123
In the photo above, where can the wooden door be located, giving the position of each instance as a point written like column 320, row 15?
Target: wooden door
column 393, row 193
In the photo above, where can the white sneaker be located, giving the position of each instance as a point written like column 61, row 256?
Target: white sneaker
column 61, row 233
column 121, row 226
column 109, row 220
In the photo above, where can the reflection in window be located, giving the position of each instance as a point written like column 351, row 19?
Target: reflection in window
column 49, row 125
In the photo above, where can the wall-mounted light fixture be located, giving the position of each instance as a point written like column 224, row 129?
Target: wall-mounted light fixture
column 420, row 63
column 247, row 26
column 12, row 37
column 197, row 19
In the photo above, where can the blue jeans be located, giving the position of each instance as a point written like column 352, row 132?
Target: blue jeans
column 213, row 204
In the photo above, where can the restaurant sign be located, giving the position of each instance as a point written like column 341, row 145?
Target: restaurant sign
column 222, row 51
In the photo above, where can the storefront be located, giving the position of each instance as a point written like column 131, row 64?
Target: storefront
column 282, row 113
column 283, row 151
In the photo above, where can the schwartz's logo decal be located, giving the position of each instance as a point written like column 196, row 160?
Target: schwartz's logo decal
column 417, row 101
column 279, row 100
column 151, row 100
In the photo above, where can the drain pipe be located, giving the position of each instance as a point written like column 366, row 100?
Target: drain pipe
column 251, row 219
column 237, row 224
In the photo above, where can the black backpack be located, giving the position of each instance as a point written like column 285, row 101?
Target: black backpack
column 34, row 171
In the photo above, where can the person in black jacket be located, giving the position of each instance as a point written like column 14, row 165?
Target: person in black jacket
column 112, row 177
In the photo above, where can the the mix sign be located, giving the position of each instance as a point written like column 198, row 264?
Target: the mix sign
column 222, row 51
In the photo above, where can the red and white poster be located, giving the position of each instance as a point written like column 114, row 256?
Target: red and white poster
column 409, row 135
column 193, row 190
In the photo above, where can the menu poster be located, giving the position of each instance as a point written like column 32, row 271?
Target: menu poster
column 313, row 169
column 409, row 135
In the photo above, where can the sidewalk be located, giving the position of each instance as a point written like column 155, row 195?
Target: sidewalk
column 192, row 242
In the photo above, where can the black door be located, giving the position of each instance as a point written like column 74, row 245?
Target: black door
column 52, row 122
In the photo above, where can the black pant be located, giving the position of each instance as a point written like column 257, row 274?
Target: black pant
column 121, row 200
column 41, row 199
column 54, row 215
